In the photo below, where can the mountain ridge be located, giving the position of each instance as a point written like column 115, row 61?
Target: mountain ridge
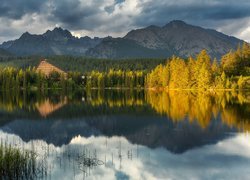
column 174, row 38
column 56, row 42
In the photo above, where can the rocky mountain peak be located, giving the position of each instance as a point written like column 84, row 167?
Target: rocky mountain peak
column 25, row 35
column 58, row 32
column 58, row 41
column 175, row 38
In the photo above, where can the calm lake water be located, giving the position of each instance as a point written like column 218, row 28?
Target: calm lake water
column 116, row 134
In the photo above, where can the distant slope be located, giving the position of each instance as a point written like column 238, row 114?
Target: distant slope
column 56, row 42
column 124, row 48
column 175, row 38
column 4, row 53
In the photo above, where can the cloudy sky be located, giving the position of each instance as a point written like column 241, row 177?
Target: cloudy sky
column 117, row 17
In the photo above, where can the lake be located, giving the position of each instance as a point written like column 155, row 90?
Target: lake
column 130, row 134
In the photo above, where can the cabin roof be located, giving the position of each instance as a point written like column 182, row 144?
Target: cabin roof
column 47, row 68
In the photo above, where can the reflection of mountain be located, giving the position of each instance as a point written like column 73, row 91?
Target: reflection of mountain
column 47, row 107
column 237, row 116
column 151, row 131
column 177, row 121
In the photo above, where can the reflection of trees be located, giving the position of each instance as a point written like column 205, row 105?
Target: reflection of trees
column 179, row 105
column 203, row 107
column 115, row 98
column 52, row 101
column 15, row 100
column 200, row 107
column 237, row 116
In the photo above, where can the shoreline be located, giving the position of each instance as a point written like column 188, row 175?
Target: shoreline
column 34, row 89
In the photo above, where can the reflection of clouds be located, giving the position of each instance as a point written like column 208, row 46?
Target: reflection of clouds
column 228, row 159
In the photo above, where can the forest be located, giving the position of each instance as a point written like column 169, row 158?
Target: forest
column 30, row 79
column 233, row 72
column 201, row 72
column 82, row 64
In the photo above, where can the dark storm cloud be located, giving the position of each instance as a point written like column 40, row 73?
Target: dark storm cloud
column 89, row 15
column 78, row 15
column 119, row 16
column 227, row 12
column 197, row 13
column 72, row 13
column 15, row 9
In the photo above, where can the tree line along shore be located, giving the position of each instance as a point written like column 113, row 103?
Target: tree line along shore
column 199, row 73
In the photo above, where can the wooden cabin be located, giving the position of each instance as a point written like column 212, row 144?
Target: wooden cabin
column 47, row 68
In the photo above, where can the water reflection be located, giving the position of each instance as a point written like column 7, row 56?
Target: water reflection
column 120, row 159
column 131, row 134
column 47, row 107
column 233, row 108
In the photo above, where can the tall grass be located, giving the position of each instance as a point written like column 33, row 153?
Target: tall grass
column 16, row 163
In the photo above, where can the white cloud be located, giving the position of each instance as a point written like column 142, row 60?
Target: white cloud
column 245, row 34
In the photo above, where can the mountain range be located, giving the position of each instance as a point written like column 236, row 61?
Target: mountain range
column 55, row 42
column 175, row 38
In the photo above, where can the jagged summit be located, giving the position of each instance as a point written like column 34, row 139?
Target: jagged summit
column 58, row 41
column 58, row 32
column 25, row 35
column 175, row 38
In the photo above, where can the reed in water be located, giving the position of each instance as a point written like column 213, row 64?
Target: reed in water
column 16, row 163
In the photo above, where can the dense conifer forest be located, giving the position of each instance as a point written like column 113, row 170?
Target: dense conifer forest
column 201, row 72
column 82, row 64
